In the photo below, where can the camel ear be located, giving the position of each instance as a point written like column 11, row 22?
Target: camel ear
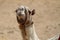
column 33, row 11
column 15, row 10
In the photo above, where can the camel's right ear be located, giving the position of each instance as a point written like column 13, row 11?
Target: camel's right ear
column 33, row 11
column 16, row 10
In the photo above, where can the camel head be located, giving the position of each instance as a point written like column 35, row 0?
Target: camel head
column 24, row 14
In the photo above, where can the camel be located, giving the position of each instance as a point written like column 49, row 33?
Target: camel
column 26, row 25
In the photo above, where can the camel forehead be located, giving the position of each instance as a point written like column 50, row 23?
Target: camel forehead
column 21, row 10
column 24, row 7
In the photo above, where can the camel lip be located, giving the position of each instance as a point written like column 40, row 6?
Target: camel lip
column 21, row 21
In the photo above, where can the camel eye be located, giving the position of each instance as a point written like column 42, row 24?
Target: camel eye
column 22, row 9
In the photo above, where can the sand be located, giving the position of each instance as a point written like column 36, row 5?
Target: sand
column 46, row 18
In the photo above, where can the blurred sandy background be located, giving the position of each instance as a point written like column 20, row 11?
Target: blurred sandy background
column 46, row 19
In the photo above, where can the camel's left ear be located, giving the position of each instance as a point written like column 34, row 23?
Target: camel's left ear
column 33, row 11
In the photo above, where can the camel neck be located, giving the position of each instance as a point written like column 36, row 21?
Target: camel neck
column 26, row 31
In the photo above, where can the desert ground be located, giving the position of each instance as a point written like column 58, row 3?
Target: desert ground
column 46, row 19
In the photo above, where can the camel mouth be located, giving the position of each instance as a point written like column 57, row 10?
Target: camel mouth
column 21, row 21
